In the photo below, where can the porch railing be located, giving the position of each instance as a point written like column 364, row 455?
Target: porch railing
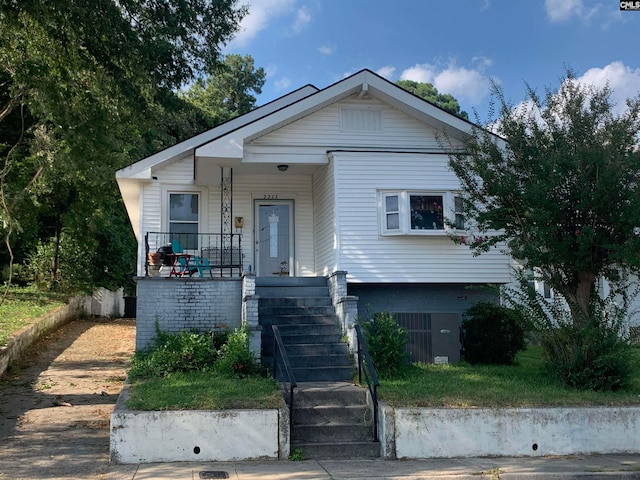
column 279, row 351
column 222, row 251
column 370, row 376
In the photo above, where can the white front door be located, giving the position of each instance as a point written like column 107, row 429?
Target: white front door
column 274, row 237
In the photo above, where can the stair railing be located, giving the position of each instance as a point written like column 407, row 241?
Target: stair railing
column 278, row 348
column 370, row 376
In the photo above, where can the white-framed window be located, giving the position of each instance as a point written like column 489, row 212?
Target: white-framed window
column 420, row 212
column 184, row 218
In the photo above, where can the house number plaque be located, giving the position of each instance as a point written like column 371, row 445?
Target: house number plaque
column 270, row 197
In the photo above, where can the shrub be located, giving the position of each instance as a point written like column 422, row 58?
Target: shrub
column 236, row 359
column 174, row 352
column 592, row 357
column 492, row 334
column 386, row 342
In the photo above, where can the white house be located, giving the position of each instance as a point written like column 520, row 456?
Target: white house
column 351, row 178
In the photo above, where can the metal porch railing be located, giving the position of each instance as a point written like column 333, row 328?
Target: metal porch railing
column 222, row 251
column 279, row 350
column 370, row 376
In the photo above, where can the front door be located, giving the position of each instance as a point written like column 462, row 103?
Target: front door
column 274, row 237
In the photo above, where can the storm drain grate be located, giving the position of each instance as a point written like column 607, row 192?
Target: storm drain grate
column 213, row 474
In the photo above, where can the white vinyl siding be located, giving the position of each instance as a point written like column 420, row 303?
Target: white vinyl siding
column 369, row 257
column 324, row 128
column 324, row 215
column 247, row 189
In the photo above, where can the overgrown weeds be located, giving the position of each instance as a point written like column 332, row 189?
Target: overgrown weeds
column 524, row 384
column 194, row 370
column 23, row 306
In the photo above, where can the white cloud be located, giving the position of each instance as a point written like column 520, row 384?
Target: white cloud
column 386, row 71
column 261, row 13
column 470, row 84
column 326, row 49
column 624, row 81
column 303, row 17
column 564, row 10
column 283, row 83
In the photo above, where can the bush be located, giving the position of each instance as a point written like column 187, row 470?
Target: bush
column 589, row 358
column 386, row 342
column 174, row 352
column 492, row 334
column 236, row 359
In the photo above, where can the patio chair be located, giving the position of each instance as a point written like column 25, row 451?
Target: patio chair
column 202, row 264
column 176, row 247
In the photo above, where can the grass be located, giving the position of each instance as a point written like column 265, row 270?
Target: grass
column 23, row 306
column 204, row 391
column 522, row 385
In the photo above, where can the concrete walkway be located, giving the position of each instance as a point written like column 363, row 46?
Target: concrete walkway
column 547, row 468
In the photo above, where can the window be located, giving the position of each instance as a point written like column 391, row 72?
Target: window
column 183, row 219
column 418, row 213
column 458, row 212
column 392, row 212
column 426, row 212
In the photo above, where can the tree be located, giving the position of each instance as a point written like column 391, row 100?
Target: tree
column 80, row 84
column 225, row 93
column 562, row 191
column 430, row 93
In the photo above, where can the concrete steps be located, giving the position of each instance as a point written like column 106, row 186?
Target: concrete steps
column 332, row 421
column 301, row 308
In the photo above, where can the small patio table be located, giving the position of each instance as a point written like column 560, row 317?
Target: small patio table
column 180, row 266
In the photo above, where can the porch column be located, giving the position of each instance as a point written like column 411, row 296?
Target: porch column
column 250, row 314
column 346, row 306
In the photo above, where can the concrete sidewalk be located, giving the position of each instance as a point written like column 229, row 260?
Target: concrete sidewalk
column 591, row 467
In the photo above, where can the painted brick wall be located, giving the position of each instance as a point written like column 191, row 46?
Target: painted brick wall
column 182, row 304
column 430, row 298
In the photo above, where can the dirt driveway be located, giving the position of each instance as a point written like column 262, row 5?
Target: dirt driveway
column 56, row 403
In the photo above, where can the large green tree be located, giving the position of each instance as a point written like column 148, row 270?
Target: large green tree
column 85, row 88
column 560, row 188
column 226, row 92
column 430, row 93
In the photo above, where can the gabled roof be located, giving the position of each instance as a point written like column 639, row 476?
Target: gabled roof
column 227, row 140
column 142, row 169
column 231, row 143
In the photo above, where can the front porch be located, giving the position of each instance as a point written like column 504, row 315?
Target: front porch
column 169, row 254
column 213, row 303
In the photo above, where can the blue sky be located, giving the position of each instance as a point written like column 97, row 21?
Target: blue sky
column 459, row 46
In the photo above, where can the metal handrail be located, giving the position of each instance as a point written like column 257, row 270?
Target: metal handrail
column 370, row 376
column 278, row 347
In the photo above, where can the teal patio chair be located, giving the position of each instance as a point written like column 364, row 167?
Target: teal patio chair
column 185, row 263
column 202, row 264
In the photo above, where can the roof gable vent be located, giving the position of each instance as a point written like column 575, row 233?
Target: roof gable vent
column 361, row 120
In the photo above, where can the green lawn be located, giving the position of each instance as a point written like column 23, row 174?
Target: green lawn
column 23, row 306
column 204, row 391
column 521, row 385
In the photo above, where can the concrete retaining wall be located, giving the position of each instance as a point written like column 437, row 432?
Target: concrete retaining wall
column 181, row 304
column 26, row 336
column 481, row 432
column 203, row 436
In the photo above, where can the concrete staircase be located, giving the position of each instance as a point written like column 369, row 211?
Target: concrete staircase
column 301, row 308
column 330, row 415
column 331, row 421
